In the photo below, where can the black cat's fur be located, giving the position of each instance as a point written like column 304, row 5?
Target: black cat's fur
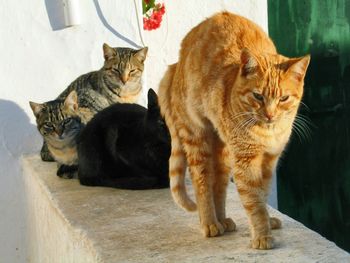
column 125, row 146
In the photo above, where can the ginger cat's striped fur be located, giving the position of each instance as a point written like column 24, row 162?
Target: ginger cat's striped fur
column 229, row 103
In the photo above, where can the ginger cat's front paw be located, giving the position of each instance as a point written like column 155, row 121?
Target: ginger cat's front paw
column 213, row 230
column 228, row 224
column 262, row 242
column 275, row 223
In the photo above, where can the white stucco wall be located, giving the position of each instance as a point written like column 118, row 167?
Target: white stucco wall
column 39, row 58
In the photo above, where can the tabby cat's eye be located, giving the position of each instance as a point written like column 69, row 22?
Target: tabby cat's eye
column 48, row 126
column 258, row 96
column 67, row 121
column 116, row 70
column 284, row 98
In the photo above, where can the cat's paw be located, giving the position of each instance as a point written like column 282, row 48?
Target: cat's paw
column 275, row 223
column 262, row 242
column 213, row 230
column 66, row 175
column 46, row 156
column 66, row 171
column 228, row 224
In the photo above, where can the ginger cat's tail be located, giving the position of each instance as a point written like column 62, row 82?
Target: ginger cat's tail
column 177, row 161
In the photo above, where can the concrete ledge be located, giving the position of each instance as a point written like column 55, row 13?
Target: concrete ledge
column 72, row 223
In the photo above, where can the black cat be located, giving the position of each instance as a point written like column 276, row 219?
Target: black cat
column 125, row 146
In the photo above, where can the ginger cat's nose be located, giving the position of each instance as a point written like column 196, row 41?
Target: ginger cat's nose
column 269, row 116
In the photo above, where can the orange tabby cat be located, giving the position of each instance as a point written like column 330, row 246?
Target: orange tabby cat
column 230, row 103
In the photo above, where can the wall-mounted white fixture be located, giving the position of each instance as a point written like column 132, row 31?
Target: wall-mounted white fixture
column 71, row 9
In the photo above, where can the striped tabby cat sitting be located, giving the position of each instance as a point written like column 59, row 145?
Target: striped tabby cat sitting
column 118, row 81
column 59, row 123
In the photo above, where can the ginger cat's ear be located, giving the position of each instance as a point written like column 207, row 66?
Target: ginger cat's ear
column 108, row 52
column 297, row 67
column 36, row 108
column 249, row 64
column 71, row 102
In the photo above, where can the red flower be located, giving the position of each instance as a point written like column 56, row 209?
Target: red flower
column 160, row 8
column 155, row 19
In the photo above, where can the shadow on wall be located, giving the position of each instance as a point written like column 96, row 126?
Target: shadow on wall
column 17, row 137
column 54, row 9
column 110, row 28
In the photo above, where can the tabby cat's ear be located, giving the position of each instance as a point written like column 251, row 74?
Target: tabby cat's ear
column 36, row 107
column 71, row 102
column 296, row 67
column 249, row 64
column 152, row 99
column 141, row 54
column 108, row 52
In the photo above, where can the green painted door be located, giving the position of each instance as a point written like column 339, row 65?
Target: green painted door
column 313, row 177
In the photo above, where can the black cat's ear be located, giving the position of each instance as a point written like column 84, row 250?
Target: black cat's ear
column 249, row 64
column 108, row 52
column 141, row 54
column 36, row 108
column 152, row 99
column 71, row 102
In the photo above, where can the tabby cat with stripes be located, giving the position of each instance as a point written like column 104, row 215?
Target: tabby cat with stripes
column 118, row 81
column 59, row 122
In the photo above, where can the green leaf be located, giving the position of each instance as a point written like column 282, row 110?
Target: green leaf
column 143, row 7
column 146, row 7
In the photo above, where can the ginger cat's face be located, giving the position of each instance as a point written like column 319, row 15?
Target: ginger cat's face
column 271, row 87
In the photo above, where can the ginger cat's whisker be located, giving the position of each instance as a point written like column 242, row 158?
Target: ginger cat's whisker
column 305, row 119
column 303, row 123
column 304, row 105
column 301, row 127
column 297, row 132
column 239, row 115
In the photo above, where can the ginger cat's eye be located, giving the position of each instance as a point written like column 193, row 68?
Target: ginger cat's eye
column 258, row 96
column 284, row 98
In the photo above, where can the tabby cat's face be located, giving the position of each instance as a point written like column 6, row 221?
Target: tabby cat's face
column 271, row 88
column 124, row 66
column 58, row 121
